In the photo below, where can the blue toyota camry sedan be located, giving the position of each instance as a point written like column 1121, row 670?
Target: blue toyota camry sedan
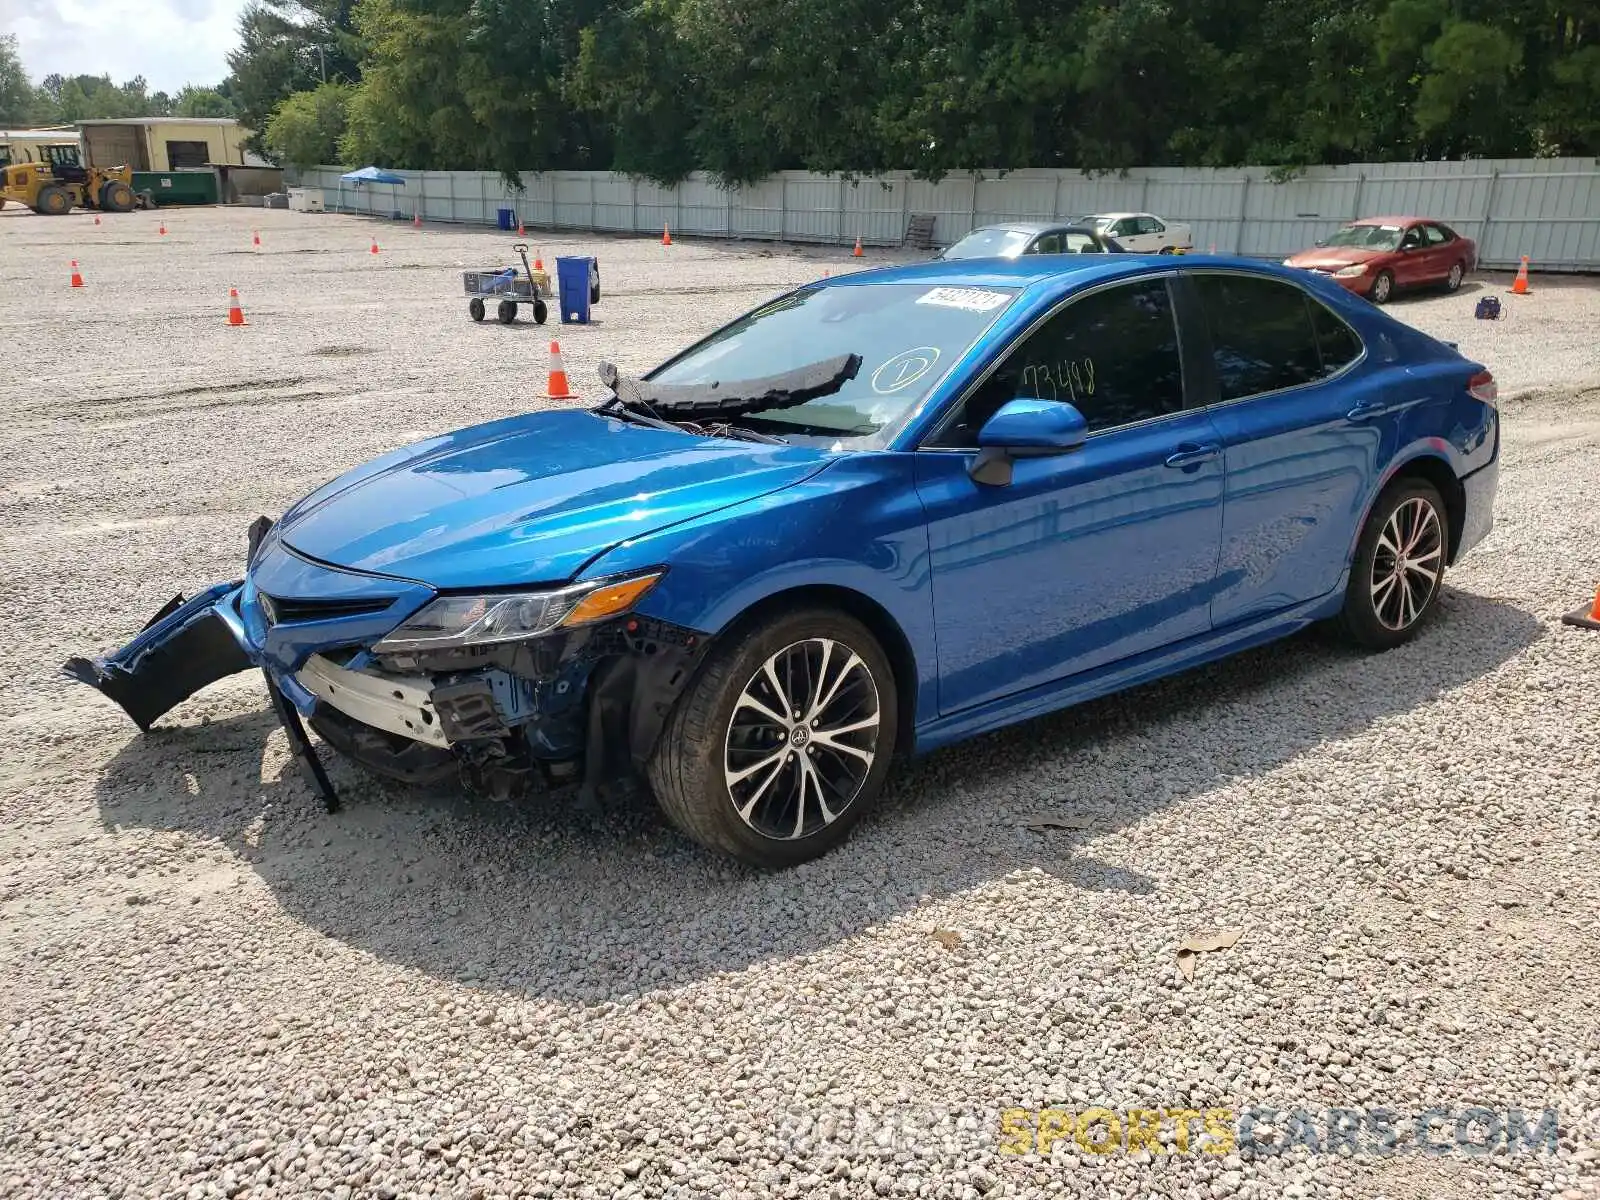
column 874, row 516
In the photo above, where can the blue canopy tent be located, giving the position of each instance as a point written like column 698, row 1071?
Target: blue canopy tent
column 368, row 175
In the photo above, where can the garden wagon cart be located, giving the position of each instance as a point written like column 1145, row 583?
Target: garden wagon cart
column 509, row 289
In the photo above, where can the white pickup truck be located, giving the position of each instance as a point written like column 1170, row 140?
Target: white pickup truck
column 1142, row 233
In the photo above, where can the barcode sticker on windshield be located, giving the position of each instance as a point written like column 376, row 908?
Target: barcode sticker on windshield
column 970, row 299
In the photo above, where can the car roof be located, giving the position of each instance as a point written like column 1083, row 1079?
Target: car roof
column 1003, row 272
column 1393, row 221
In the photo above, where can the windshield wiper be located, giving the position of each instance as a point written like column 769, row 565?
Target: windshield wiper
column 709, row 401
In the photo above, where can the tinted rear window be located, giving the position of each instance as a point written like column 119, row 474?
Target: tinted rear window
column 1261, row 334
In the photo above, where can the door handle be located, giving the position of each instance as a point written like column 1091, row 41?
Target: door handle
column 1191, row 454
column 1365, row 412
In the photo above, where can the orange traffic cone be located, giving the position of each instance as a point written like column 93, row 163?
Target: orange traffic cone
column 1213, row 249
column 235, row 313
column 374, row 245
column 163, row 230
column 255, row 238
column 416, row 219
column 1520, row 287
column 559, row 389
column 520, row 232
column 1584, row 618
column 856, row 253
column 97, row 219
column 538, row 263
column 666, row 236
column 77, row 279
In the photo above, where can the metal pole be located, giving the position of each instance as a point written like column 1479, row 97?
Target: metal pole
column 1488, row 214
column 905, row 205
column 843, row 237
column 592, row 225
column 1355, row 209
column 1144, row 195
column 972, row 221
column 1244, row 213
column 1055, row 205
column 783, row 208
column 633, row 205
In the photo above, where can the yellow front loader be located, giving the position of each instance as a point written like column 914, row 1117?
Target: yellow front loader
column 59, row 183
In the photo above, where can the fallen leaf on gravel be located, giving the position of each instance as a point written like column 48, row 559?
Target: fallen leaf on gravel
column 1043, row 823
column 1199, row 944
column 947, row 938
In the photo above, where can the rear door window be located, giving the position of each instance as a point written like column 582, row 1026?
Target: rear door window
column 1262, row 336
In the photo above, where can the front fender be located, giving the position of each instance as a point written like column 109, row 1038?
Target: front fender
column 857, row 525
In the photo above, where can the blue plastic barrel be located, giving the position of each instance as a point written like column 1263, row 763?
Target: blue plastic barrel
column 572, row 283
column 507, row 218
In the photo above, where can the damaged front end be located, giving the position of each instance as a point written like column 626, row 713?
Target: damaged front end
column 501, row 690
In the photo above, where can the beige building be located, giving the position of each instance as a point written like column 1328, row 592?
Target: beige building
column 164, row 143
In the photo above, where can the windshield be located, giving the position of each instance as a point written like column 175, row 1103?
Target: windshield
column 989, row 243
column 1367, row 237
column 907, row 334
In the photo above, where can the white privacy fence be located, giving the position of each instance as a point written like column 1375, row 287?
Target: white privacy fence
column 1547, row 209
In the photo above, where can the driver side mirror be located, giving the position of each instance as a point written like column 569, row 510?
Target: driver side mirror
column 1025, row 428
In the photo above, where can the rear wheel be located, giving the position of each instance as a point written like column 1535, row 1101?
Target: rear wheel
column 52, row 201
column 475, row 308
column 1398, row 567
column 783, row 740
column 506, row 311
column 540, row 312
column 1382, row 288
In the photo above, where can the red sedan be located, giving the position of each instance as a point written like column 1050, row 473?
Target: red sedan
column 1377, row 255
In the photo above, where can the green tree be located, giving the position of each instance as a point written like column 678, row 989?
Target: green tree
column 194, row 101
column 306, row 128
column 289, row 46
column 16, row 93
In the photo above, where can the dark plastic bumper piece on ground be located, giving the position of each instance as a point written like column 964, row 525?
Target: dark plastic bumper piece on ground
column 301, row 744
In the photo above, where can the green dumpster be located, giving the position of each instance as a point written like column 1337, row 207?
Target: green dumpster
column 178, row 187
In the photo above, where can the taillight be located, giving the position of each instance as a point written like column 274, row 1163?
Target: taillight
column 1483, row 387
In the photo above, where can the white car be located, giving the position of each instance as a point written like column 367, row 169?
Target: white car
column 1142, row 233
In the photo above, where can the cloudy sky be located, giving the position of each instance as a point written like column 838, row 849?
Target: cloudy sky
column 169, row 42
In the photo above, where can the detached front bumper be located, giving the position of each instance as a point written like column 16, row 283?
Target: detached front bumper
column 586, row 704
column 184, row 647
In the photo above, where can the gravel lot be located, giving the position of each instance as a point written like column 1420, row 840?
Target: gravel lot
column 210, row 987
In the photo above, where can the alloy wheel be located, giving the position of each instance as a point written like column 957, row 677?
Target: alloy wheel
column 802, row 738
column 1454, row 281
column 1381, row 288
column 1406, row 564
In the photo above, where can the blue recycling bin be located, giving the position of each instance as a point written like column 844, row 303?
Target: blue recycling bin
column 507, row 218
column 572, row 284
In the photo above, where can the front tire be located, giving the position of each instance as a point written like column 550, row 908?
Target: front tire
column 1452, row 281
column 506, row 311
column 782, row 742
column 1382, row 288
column 1399, row 566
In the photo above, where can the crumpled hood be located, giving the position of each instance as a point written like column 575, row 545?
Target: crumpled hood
column 1331, row 258
column 529, row 499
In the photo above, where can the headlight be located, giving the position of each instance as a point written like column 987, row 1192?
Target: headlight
column 510, row 617
column 1351, row 271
